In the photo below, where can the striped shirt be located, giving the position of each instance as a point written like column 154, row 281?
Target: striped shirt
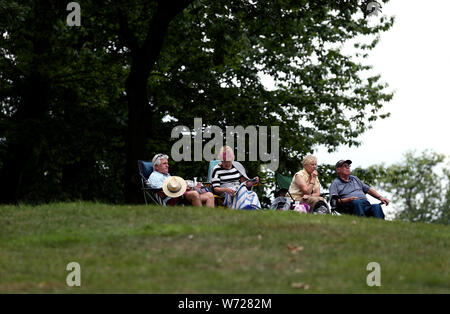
column 221, row 176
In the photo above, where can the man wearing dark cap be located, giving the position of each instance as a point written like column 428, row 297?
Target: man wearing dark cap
column 351, row 193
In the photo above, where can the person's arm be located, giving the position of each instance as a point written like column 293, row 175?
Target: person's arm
column 306, row 186
column 161, row 194
column 347, row 199
column 316, row 178
column 252, row 182
column 317, row 192
column 375, row 194
column 224, row 190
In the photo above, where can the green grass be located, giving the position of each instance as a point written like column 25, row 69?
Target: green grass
column 146, row 249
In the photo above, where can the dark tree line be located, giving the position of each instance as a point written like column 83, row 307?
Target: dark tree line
column 80, row 105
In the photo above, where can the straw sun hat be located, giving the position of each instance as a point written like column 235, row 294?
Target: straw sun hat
column 174, row 186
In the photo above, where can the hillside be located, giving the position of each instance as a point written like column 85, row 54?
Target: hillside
column 146, row 249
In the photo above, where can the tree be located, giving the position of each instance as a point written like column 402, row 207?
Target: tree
column 215, row 52
column 136, row 62
column 55, row 94
column 26, row 76
column 421, row 193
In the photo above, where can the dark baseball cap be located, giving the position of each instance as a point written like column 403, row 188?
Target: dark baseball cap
column 341, row 162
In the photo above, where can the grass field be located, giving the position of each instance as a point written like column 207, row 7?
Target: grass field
column 146, row 249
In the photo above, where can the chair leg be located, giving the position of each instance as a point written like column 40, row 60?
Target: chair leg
column 145, row 198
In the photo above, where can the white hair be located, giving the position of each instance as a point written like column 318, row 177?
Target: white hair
column 226, row 153
column 309, row 160
column 156, row 161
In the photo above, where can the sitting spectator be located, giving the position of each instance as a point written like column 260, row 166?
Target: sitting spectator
column 305, row 186
column 171, row 193
column 229, row 180
column 351, row 193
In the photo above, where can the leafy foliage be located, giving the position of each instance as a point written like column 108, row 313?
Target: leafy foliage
column 417, row 187
column 80, row 105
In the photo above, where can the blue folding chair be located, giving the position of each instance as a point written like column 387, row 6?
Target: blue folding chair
column 212, row 164
column 145, row 170
column 218, row 199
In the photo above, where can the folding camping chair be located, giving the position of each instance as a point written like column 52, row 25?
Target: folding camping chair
column 218, row 199
column 284, row 182
column 145, row 170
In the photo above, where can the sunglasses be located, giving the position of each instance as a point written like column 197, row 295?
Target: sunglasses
column 159, row 156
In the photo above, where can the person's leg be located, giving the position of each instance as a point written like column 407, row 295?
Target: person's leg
column 194, row 198
column 376, row 211
column 208, row 199
column 313, row 200
column 358, row 207
column 175, row 201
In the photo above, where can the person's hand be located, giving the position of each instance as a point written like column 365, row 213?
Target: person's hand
column 252, row 182
column 315, row 174
column 306, row 196
column 230, row 191
column 384, row 200
column 350, row 199
column 161, row 194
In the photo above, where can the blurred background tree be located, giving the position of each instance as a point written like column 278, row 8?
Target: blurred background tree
column 419, row 185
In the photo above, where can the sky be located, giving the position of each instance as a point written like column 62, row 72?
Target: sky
column 413, row 58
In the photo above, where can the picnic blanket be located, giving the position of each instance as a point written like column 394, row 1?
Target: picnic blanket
column 242, row 199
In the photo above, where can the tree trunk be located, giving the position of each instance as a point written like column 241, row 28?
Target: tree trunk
column 144, row 59
column 138, row 114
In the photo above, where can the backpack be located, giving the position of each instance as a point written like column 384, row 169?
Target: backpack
column 281, row 203
column 321, row 208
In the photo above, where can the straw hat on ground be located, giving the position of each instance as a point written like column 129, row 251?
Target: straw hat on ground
column 174, row 186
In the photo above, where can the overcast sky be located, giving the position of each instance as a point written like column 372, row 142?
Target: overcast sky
column 413, row 57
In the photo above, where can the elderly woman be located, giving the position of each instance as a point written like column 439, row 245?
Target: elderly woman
column 305, row 186
column 230, row 181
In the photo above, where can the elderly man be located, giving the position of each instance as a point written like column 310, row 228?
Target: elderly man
column 351, row 193
column 161, row 173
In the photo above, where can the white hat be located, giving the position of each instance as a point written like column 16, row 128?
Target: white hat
column 174, row 186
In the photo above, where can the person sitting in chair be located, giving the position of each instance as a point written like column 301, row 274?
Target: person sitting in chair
column 174, row 189
column 351, row 193
column 305, row 186
column 229, row 180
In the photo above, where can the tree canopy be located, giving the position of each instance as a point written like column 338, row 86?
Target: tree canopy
column 419, row 185
column 80, row 105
